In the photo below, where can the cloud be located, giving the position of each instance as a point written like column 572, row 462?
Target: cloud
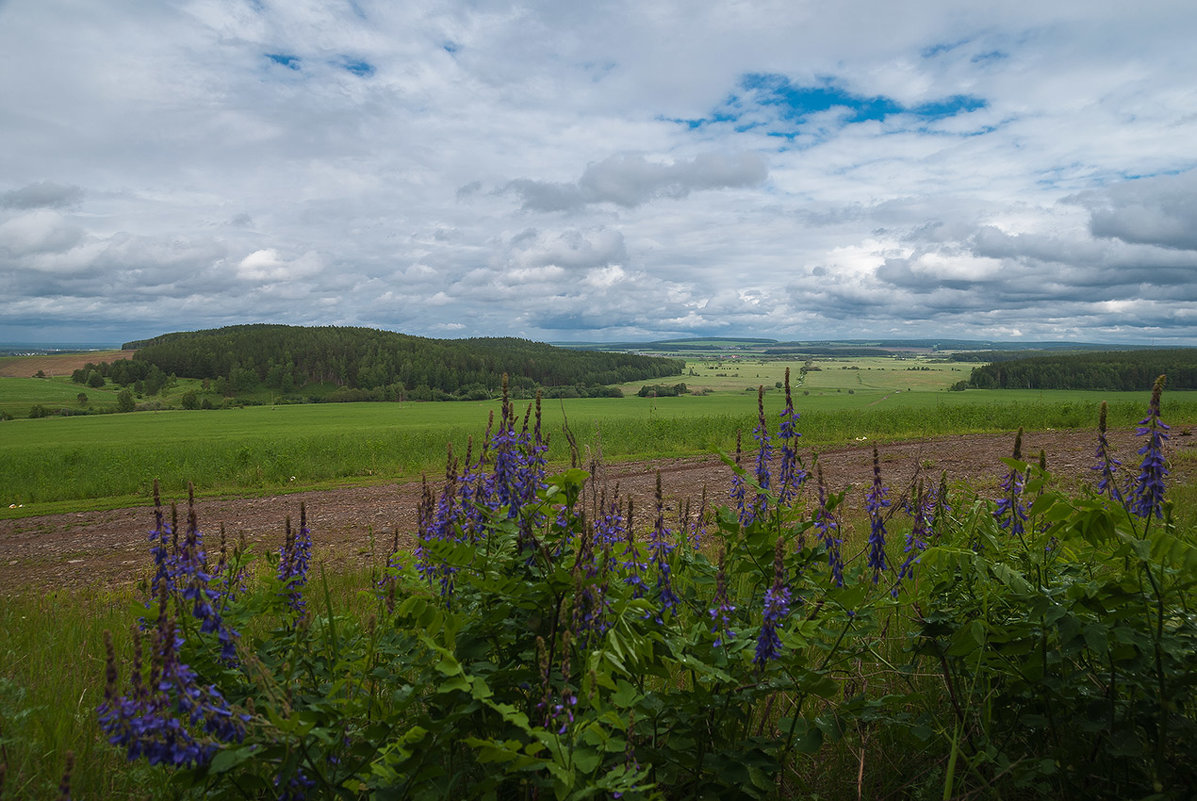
column 1159, row 210
column 41, row 195
column 268, row 265
column 569, row 248
column 631, row 180
column 749, row 168
column 38, row 231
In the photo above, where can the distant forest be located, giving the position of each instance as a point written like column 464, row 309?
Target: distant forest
column 367, row 364
column 1116, row 370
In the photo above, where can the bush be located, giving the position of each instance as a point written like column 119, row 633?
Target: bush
column 124, row 401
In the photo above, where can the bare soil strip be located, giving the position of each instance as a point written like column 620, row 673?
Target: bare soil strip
column 354, row 525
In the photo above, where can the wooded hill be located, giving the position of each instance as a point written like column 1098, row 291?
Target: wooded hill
column 386, row 364
column 1111, row 370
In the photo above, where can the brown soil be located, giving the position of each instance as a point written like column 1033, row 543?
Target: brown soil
column 58, row 363
column 351, row 526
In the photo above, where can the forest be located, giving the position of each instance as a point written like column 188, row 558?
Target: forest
column 378, row 364
column 1110, row 370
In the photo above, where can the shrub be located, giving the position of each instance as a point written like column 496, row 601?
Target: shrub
column 124, row 401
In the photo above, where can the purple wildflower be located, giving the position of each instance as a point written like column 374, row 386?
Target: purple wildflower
column 875, row 502
column 659, row 549
column 1011, row 511
column 827, row 527
column 916, row 540
column 1149, row 491
column 609, row 527
column 791, row 476
column 294, row 788
column 171, row 719
column 192, row 577
column 633, row 566
column 294, row 558
column 777, row 606
column 591, row 601
column 1107, row 465
column 721, row 606
column 764, row 453
column 739, row 488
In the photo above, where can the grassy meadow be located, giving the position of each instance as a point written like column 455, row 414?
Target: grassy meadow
column 57, row 463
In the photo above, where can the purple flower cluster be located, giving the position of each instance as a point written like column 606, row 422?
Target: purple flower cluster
column 438, row 522
column 1149, row 490
column 827, row 528
column 1010, row 510
column 519, row 462
column 875, row 503
column 777, row 607
column 294, row 559
column 294, row 788
column 557, row 708
column 182, row 567
column 739, row 488
column 633, row 565
column 764, row 454
column 592, row 602
column 721, row 606
column 920, row 508
column 659, row 550
column 169, row 719
column 791, row 475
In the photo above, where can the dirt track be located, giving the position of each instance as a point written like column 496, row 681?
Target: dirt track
column 349, row 525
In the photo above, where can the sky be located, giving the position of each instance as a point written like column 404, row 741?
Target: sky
column 600, row 171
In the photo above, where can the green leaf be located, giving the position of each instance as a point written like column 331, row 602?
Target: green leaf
column 587, row 760
column 229, row 758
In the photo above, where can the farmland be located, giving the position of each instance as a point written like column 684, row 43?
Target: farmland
column 829, row 677
column 108, row 460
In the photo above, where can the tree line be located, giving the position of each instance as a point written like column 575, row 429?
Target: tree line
column 1110, row 370
column 383, row 363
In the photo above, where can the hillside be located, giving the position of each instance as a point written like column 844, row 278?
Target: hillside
column 386, row 364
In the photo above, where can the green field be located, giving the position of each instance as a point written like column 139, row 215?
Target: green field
column 105, row 460
column 62, row 464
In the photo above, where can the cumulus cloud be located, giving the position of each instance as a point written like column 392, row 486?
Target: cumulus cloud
column 1160, row 211
column 38, row 231
column 631, row 180
column 268, row 265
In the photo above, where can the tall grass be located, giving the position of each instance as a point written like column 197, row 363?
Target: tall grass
column 115, row 459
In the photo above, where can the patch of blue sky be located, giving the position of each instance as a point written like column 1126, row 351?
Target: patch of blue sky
column 794, row 104
column 360, row 68
column 699, row 122
column 990, row 55
column 941, row 48
column 450, row 47
column 285, row 59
